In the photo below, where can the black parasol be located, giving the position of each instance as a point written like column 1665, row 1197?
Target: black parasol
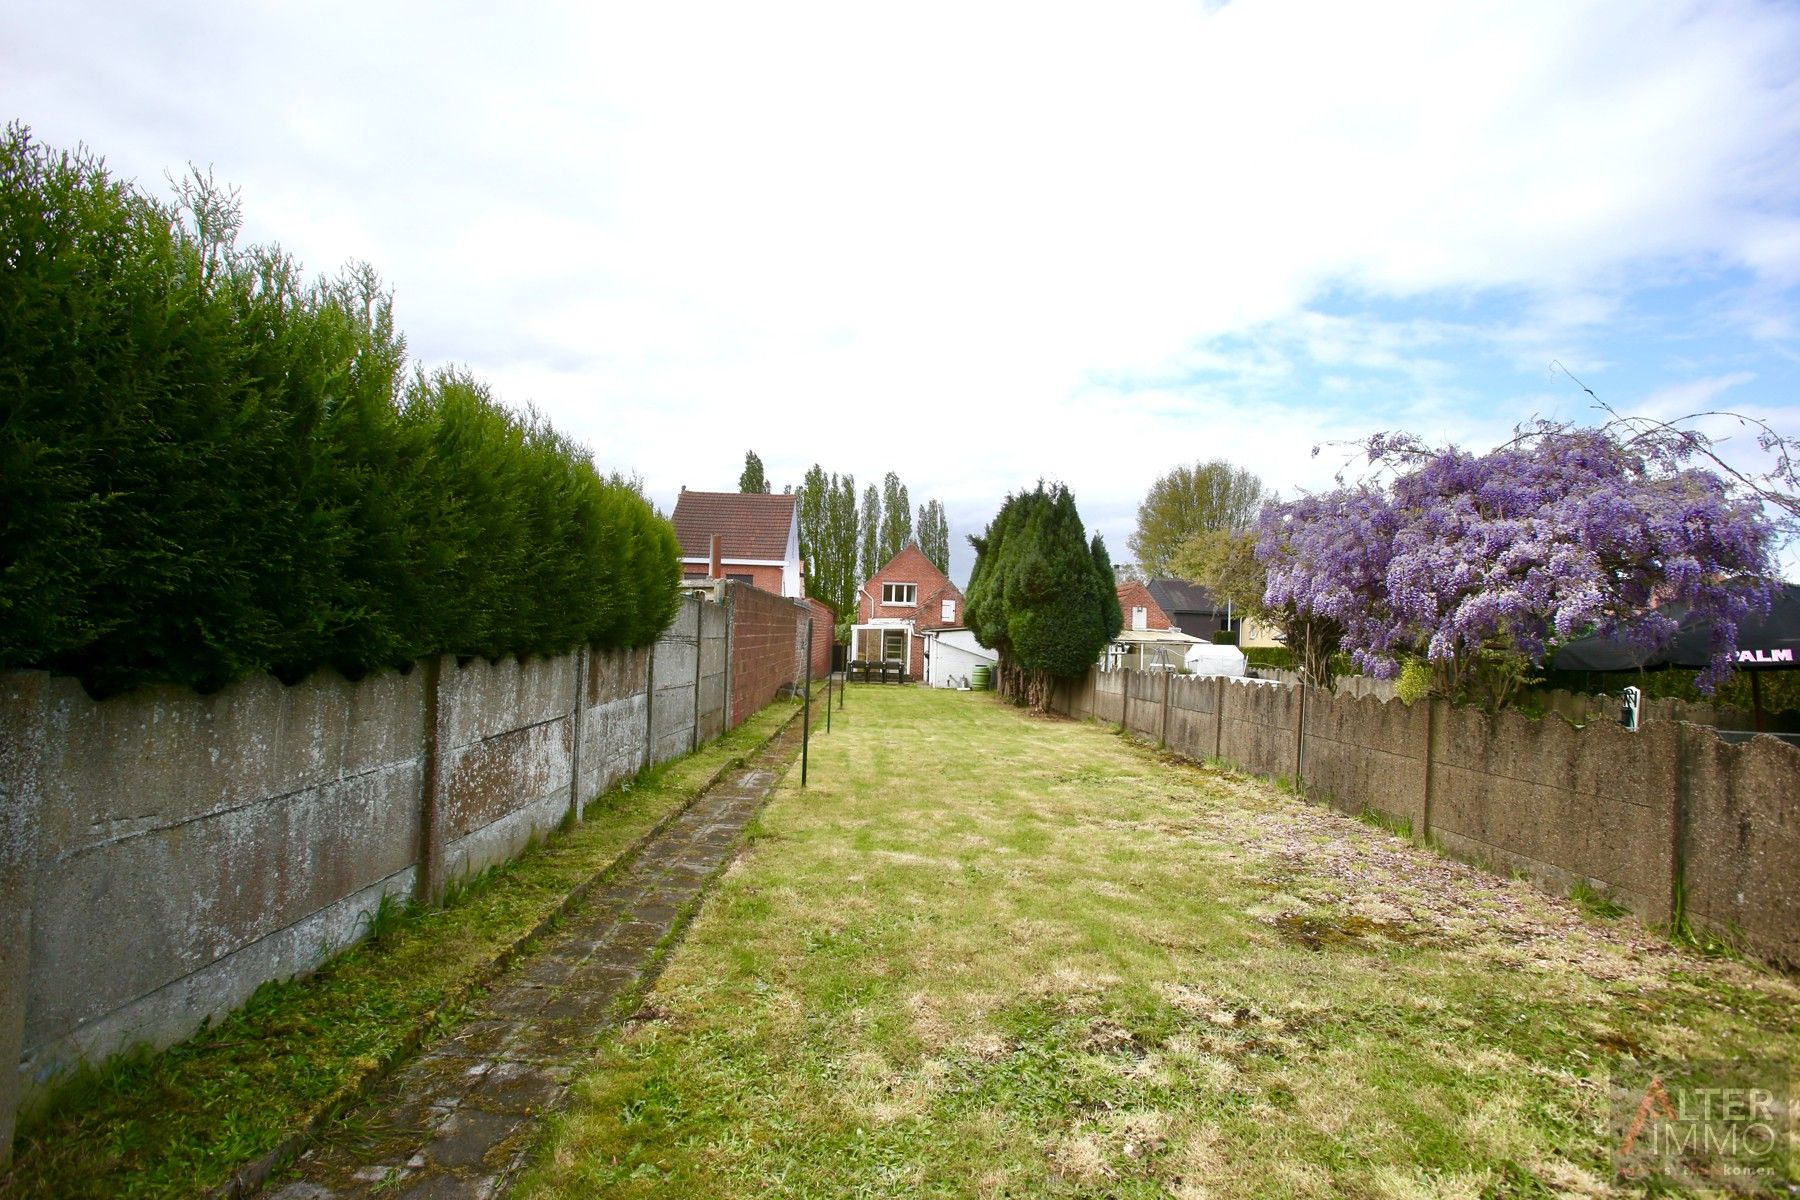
column 1764, row 643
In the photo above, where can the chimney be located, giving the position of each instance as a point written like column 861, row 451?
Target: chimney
column 718, row 563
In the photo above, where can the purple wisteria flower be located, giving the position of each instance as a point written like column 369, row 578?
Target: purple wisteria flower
column 1560, row 533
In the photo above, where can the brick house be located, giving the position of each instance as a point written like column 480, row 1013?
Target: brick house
column 759, row 538
column 1150, row 640
column 896, row 607
column 1139, row 606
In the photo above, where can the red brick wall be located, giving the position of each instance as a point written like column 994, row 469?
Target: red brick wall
column 764, row 632
column 824, row 620
column 911, row 566
column 1136, row 595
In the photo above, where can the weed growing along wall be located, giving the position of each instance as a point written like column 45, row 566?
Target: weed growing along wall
column 1673, row 821
column 163, row 853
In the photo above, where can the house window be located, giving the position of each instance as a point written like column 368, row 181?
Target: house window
column 1140, row 617
column 899, row 593
column 949, row 611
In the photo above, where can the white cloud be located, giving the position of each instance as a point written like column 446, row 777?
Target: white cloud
column 976, row 244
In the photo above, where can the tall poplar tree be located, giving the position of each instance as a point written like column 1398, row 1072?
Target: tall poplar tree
column 828, row 538
column 871, row 533
column 896, row 517
column 934, row 534
column 841, row 531
column 753, row 479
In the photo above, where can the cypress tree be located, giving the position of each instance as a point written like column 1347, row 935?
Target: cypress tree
column 1041, row 594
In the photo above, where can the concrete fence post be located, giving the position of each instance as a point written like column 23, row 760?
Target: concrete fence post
column 24, row 718
column 428, row 884
column 699, row 659
column 1218, row 716
column 1433, row 722
column 1299, row 737
column 650, row 705
column 1683, row 801
column 1162, row 736
column 578, row 715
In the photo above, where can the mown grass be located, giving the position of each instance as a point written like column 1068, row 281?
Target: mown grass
column 179, row 1121
column 989, row 955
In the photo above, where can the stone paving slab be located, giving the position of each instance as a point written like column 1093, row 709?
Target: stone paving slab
column 458, row 1121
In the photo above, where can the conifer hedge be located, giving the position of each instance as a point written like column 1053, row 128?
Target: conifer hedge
column 211, row 467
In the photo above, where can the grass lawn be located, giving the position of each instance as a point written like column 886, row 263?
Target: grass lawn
column 180, row 1121
column 990, row 955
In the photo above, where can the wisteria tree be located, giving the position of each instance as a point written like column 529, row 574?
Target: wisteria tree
column 1479, row 564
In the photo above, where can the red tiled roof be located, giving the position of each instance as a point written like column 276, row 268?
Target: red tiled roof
column 749, row 525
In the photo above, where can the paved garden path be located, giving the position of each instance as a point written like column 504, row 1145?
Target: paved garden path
column 459, row 1120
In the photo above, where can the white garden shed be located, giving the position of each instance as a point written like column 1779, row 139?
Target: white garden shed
column 951, row 656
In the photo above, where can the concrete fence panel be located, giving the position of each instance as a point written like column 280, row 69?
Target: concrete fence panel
column 1144, row 693
column 505, row 745
column 1740, row 853
column 1668, row 820
column 612, row 737
column 1260, row 727
column 163, row 853
column 676, row 674
column 195, row 846
column 1562, row 804
column 715, row 652
column 1109, row 696
column 1361, row 751
column 1193, row 717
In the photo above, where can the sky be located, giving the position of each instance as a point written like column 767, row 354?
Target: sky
column 983, row 244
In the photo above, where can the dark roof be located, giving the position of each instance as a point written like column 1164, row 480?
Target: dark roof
column 750, row 525
column 1179, row 596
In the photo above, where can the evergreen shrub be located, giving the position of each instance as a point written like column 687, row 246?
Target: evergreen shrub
column 210, row 467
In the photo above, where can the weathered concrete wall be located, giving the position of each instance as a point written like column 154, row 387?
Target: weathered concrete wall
column 715, row 659
column 612, row 731
column 1583, row 707
column 22, row 723
column 505, row 741
column 677, row 681
column 1193, row 719
column 1363, row 752
column 1353, row 686
column 1740, row 845
column 193, row 846
column 1672, row 821
column 1108, row 697
column 163, row 853
column 1560, row 803
column 1260, row 730
column 1144, row 696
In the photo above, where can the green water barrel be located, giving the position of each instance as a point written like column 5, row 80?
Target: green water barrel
column 979, row 677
